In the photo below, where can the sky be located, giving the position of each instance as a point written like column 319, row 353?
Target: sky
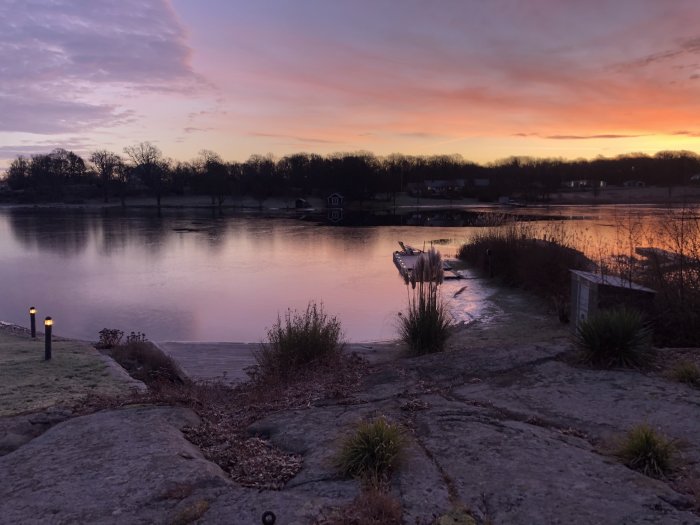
column 482, row 79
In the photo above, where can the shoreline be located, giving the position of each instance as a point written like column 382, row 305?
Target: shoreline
column 646, row 196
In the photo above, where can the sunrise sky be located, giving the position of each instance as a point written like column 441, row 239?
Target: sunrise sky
column 485, row 79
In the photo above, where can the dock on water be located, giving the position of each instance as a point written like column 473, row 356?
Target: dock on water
column 406, row 258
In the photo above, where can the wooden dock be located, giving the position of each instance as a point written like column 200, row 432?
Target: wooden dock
column 405, row 262
column 227, row 362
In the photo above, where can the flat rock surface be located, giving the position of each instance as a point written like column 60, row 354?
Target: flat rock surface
column 513, row 434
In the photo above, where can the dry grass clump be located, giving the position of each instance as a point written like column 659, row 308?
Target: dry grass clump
column 190, row 513
column 372, row 452
column 612, row 338
column 302, row 338
column 425, row 326
column 371, row 507
column 647, row 451
column 146, row 362
column 686, row 371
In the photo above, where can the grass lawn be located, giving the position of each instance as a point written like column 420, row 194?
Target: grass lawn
column 28, row 383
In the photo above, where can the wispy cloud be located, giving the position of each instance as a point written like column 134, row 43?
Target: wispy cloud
column 588, row 137
column 57, row 57
column 295, row 138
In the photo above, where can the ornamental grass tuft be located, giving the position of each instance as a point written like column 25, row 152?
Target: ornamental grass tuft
column 687, row 372
column 647, row 451
column 614, row 338
column 372, row 452
column 299, row 340
column 425, row 327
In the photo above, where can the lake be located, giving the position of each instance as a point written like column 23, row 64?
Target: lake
column 196, row 276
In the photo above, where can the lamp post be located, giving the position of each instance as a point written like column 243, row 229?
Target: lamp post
column 32, row 321
column 48, row 324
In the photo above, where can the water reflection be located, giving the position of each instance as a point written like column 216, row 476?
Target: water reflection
column 43, row 230
column 193, row 276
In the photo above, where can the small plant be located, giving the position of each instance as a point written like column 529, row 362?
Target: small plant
column 372, row 452
column 136, row 337
column 611, row 338
column 371, row 507
column 302, row 338
column 425, row 326
column 109, row 338
column 645, row 450
column 686, row 372
column 145, row 362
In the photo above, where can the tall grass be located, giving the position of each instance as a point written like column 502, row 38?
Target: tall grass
column 675, row 276
column 532, row 257
column 424, row 328
column 298, row 340
column 612, row 338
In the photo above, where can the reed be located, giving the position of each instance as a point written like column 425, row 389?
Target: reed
column 425, row 326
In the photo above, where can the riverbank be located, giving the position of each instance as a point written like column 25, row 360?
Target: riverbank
column 503, row 427
column 651, row 195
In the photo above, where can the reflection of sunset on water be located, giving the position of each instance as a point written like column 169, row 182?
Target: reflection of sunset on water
column 191, row 277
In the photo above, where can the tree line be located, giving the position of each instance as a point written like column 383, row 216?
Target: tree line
column 142, row 169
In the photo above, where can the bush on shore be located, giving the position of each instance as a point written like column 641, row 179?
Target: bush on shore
column 301, row 339
column 425, row 327
column 521, row 256
column 614, row 338
column 144, row 361
column 671, row 267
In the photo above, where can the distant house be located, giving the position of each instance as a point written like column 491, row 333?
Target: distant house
column 695, row 179
column 580, row 184
column 481, row 182
column 438, row 187
column 634, row 184
column 335, row 200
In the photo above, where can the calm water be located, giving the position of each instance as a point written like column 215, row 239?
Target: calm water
column 193, row 277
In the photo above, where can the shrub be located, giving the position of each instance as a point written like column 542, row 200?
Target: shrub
column 136, row 337
column 686, row 372
column 425, row 326
column 645, row 450
column 616, row 337
column 145, row 362
column 109, row 338
column 521, row 255
column 301, row 339
column 372, row 452
column 671, row 267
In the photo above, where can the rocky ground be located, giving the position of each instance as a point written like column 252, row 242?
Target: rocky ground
column 497, row 433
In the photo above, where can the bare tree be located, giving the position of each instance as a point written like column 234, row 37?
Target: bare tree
column 106, row 163
column 216, row 177
column 149, row 165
